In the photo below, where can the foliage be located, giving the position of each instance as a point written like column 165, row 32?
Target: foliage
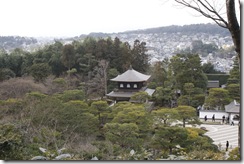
column 68, row 56
column 130, row 113
column 69, row 95
column 192, row 96
column 139, row 56
column 10, row 107
column 75, row 116
column 201, row 142
column 167, row 138
column 10, row 142
column 140, row 97
column 234, row 154
column 59, row 85
column 40, row 118
column 233, row 82
column 125, row 134
column 112, row 73
column 47, row 121
column 107, row 150
column 81, row 55
column 204, row 155
column 159, row 73
column 234, row 91
column 6, row 73
column 208, row 68
column 40, row 71
column 35, row 95
column 218, row 97
column 187, row 68
column 186, row 113
column 234, row 77
column 101, row 109
column 163, row 96
column 165, row 116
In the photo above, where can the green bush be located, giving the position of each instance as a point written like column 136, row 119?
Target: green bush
column 10, row 142
column 69, row 95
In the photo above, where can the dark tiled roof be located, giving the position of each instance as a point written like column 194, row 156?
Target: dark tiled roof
column 131, row 75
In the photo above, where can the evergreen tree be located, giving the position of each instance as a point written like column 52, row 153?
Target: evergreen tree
column 186, row 68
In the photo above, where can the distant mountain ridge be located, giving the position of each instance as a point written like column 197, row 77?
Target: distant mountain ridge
column 193, row 28
column 185, row 29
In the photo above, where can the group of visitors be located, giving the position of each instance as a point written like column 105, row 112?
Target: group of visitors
column 224, row 119
column 213, row 118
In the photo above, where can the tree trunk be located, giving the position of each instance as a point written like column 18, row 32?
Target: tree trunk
column 234, row 29
column 233, row 25
column 184, row 122
column 170, row 150
column 165, row 121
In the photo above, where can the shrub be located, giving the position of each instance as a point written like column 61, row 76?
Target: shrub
column 18, row 87
column 69, row 95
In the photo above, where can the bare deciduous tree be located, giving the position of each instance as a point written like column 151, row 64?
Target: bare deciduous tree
column 209, row 10
column 98, row 84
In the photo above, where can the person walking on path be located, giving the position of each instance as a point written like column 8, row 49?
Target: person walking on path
column 205, row 118
column 213, row 118
column 228, row 120
column 227, row 145
column 223, row 119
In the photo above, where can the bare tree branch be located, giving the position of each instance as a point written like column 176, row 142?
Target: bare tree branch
column 210, row 11
column 232, row 24
column 207, row 9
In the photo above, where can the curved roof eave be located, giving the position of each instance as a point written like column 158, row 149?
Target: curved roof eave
column 131, row 76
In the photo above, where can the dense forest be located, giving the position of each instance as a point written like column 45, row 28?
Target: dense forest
column 53, row 105
column 86, row 60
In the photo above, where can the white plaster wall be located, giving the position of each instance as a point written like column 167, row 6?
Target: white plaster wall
column 210, row 113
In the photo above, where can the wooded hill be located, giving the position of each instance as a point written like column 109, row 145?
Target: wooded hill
column 185, row 29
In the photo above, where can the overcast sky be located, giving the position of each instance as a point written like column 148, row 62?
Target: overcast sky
column 75, row 17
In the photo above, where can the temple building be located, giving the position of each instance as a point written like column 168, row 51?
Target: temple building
column 128, row 84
